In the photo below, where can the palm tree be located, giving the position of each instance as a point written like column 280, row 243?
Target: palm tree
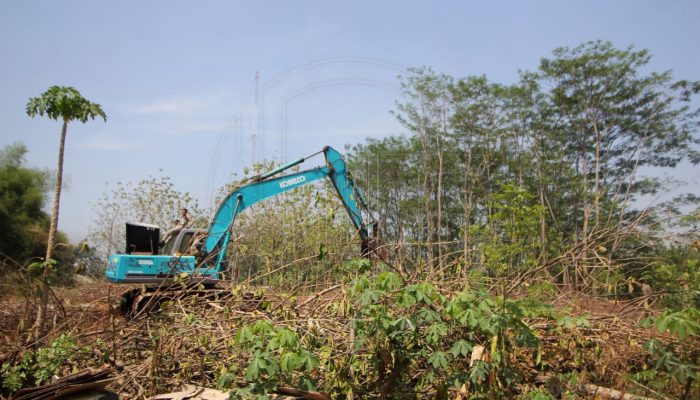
column 65, row 104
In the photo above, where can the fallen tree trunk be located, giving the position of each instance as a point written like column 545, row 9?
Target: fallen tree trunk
column 606, row 393
column 89, row 379
column 554, row 385
column 302, row 394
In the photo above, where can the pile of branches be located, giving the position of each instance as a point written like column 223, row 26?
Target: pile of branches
column 328, row 344
column 379, row 335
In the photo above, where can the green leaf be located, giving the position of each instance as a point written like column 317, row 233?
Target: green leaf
column 262, row 327
column 306, row 383
column 288, row 362
column 406, row 300
column 569, row 322
column 470, row 317
column 369, row 296
column 244, row 335
column 404, row 324
column 479, row 372
column 429, row 315
column 461, row 348
column 287, row 339
column 435, row 333
column 360, row 284
column 253, row 371
column 681, row 323
column 322, row 252
column 388, row 281
column 653, row 346
column 438, row 360
column 225, row 381
column 308, row 360
column 422, row 293
column 190, row 319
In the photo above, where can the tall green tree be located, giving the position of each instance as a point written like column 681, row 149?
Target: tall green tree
column 23, row 222
column 617, row 119
column 427, row 114
column 63, row 104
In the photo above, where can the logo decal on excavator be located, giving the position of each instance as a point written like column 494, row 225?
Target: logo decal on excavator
column 293, row 181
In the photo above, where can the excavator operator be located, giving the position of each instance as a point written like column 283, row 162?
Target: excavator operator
column 184, row 222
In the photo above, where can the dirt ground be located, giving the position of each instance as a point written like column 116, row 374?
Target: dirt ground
column 80, row 310
column 84, row 309
column 89, row 310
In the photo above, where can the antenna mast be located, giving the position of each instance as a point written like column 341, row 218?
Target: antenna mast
column 255, row 114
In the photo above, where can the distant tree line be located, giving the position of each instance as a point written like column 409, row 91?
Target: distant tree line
column 540, row 176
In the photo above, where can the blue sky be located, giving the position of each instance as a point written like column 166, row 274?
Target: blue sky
column 176, row 78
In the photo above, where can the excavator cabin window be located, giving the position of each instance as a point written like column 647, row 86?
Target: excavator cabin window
column 185, row 243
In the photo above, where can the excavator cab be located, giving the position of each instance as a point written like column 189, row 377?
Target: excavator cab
column 142, row 239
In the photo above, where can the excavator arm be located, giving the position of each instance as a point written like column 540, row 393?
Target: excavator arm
column 267, row 185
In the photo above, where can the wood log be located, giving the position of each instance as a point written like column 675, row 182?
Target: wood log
column 606, row 393
column 302, row 394
column 554, row 385
column 89, row 379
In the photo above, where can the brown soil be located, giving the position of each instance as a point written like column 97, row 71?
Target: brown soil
column 89, row 310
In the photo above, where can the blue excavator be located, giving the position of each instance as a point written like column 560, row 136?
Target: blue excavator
column 146, row 261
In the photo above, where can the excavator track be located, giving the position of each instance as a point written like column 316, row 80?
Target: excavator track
column 151, row 299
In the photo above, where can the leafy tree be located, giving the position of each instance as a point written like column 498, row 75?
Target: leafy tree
column 617, row 120
column 509, row 242
column 390, row 179
column 23, row 223
column 65, row 104
column 426, row 113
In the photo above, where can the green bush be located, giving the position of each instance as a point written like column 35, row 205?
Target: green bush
column 37, row 367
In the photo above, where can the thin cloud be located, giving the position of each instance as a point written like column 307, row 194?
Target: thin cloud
column 177, row 105
column 376, row 128
column 105, row 143
column 186, row 129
